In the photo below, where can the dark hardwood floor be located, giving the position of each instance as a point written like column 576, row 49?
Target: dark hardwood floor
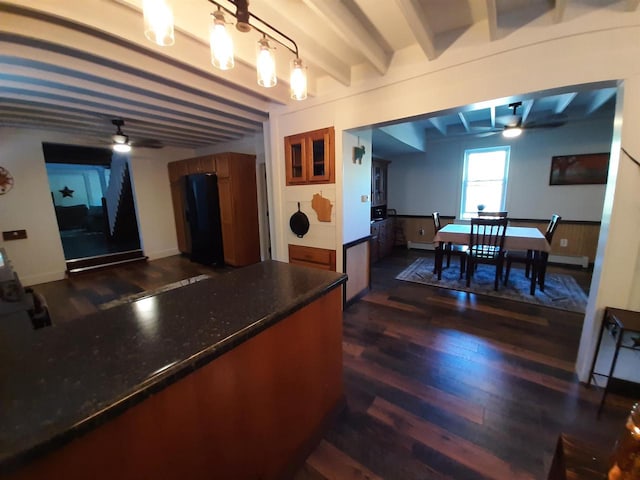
column 439, row 384
column 445, row 384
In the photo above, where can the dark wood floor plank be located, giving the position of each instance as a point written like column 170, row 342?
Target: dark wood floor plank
column 461, row 450
column 331, row 462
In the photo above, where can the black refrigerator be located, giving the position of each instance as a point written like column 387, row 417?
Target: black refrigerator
column 203, row 218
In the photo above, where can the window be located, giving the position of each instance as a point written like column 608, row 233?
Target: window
column 484, row 181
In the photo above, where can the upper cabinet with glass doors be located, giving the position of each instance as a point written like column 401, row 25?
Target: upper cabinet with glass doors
column 310, row 157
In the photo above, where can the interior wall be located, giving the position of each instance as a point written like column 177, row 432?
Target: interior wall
column 426, row 182
column 471, row 76
column 39, row 258
column 152, row 199
column 356, row 186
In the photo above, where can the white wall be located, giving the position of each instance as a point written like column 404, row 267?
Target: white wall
column 152, row 198
column 426, row 182
column 40, row 258
column 356, row 184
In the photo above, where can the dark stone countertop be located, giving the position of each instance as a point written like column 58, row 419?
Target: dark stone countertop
column 57, row 383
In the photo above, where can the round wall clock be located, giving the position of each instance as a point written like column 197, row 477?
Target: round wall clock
column 6, row 180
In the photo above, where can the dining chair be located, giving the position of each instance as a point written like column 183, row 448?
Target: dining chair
column 486, row 245
column 447, row 249
column 492, row 214
column 527, row 257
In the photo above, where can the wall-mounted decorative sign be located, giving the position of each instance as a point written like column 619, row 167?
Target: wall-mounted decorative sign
column 66, row 192
column 584, row 169
column 322, row 207
column 6, row 181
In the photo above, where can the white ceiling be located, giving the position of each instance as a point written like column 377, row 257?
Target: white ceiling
column 73, row 65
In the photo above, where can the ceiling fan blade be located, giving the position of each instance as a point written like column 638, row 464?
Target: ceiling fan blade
column 487, row 134
column 147, row 143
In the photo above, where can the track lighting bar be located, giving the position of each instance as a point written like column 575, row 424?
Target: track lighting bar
column 158, row 27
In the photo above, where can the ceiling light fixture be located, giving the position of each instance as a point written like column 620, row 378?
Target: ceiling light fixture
column 158, row 22
column 120, row 140
column 221, row 43
column 511, row 132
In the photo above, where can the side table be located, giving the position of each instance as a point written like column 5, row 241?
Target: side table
column 617, row 321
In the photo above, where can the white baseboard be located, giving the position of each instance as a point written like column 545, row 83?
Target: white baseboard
column 30, row 280
column 562, row 259
column 420, row 245
column 163, row 253
column 569, row 260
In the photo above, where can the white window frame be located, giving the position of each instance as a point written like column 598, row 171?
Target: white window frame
column 465, row 181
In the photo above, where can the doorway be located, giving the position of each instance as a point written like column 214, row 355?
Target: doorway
column 93, row 201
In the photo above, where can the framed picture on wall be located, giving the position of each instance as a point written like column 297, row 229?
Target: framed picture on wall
column 583, row 169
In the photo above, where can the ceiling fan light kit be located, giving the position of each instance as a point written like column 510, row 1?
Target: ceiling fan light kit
column 120, row 140
column 158, row 27
column 511, row 132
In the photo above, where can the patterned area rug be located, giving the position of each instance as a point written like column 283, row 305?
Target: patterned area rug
column 560, row 291
column 149, row 293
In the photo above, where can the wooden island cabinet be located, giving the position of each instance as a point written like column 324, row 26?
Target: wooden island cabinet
column 237, row 190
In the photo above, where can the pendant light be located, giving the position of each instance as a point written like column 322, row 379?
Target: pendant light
column 298, row 80
column 221, row 43
column 158, row 22
column 266, row 64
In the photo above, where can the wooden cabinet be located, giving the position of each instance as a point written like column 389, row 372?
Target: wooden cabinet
column 379, row 182
column 237, row 192
column 310, row 157
column 313, row 257
column 238, row 208
column 382, row 238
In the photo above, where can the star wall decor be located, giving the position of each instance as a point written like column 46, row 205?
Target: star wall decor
column 66, row 192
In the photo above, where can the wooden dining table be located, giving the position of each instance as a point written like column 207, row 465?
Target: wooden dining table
column 516, row 238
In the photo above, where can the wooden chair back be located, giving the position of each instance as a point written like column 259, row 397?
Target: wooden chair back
column 486, row 240
column 551, row 228
column 493, row 214
column 436, row 221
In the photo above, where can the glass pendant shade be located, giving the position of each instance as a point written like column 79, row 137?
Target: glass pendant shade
column 221, row 43
column 158, row 22
column 266, row 65
column 298, row 80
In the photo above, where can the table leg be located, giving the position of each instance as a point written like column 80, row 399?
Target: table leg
column 620, row 334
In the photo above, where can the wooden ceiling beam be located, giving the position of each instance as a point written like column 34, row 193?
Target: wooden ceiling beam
column 345, row 24
column 417, row 19
column 492, row 19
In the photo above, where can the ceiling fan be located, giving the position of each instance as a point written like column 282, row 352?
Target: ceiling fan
column 121, row 143
column 513, row 126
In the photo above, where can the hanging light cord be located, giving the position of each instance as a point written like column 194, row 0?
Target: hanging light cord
column 630, row 156
column 293, row 50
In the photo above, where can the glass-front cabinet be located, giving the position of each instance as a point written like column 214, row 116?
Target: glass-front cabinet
column 310, row 157
column 379, row 182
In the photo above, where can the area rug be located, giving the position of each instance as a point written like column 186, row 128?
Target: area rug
column 560, row 291
column 149, row 293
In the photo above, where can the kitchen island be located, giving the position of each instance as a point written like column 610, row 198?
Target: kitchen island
column 230, row 377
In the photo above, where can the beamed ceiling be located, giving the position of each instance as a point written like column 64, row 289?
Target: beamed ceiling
column 74, row 65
